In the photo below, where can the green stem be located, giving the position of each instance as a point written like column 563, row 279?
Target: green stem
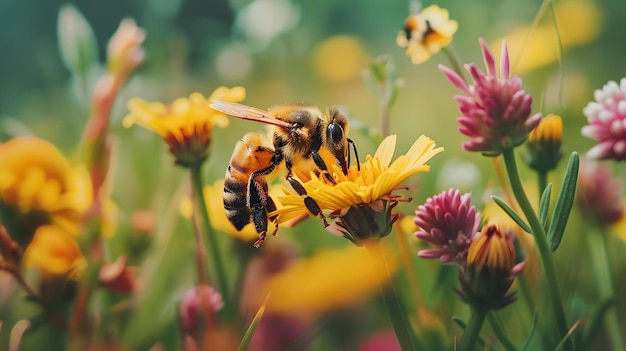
column 468, row 342
column 542, row 245
column 496, row 325
column 601, row 269
column 526, row 294
column 454, row 60
column 394, row 305
column 542, row 182
column 216, row 255
column 384, row 119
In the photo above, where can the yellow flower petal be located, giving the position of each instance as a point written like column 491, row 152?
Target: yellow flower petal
column 307, row 287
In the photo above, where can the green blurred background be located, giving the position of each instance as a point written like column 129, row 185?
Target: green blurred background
column 285, row 51
column 275, row 48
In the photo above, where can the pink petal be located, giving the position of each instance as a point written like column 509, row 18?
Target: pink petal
column 455, row 79
column 490, row 61
column 504, row 61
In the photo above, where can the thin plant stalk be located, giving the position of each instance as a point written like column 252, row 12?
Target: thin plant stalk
column 498, row 329
column 601, row 269
column 454, row 60
column 542, row 182
column 406, row 260
column 394, row 305
column 216, row 255
column 545, row 253
column 470, row 336
column 384, row 119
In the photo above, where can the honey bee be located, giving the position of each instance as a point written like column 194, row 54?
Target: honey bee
column 246, row 200
column 302, row 137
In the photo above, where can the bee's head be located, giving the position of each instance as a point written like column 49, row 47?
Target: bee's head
column 337, row 137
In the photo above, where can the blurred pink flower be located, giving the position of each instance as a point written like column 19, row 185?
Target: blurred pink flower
column 191, row 311
column 277, row 332
column 450, row 223
column 495, row 109
column 600, row 196
column 607, row 122
column 383, row 340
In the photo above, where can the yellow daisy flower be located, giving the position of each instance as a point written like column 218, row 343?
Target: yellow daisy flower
column 185, row 124
column 362, row 200
column 426, row 33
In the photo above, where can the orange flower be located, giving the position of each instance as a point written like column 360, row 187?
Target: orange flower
column 38, row 185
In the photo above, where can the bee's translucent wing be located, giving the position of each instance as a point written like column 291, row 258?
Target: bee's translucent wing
column 248, row 113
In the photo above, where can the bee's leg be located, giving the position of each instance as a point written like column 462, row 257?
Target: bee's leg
column 356, row 154
column 319, row 162
column 257, row 198
column 309, row 202
column 271, row 207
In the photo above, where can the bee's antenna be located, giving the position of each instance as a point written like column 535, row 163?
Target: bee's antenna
column 356, row 154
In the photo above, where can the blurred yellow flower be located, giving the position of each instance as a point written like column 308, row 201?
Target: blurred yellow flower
column 340, row 58
column 38, row 184
column 426, row 33
column 185, row 124
column 579, row 23
column 363, row 193
column 619, row 228
column 330, row 279
column 55, row 253
column 215, row 203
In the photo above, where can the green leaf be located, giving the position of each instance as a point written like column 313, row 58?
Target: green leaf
column 595, row 320
column 544, row 205
column 247, row 337
column 514, row 216
column 382, row 80
column 569, row 334
column 77, row 41
column 531, row 332
column 564, row 203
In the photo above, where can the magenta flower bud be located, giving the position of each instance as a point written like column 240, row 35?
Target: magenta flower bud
column 495, row 110
column 195, row 304
column 600, row 195
column 449, row 223
column 607, row 122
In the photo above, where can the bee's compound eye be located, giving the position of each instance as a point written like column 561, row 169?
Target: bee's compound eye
column 335, row 132
column 297, row 125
